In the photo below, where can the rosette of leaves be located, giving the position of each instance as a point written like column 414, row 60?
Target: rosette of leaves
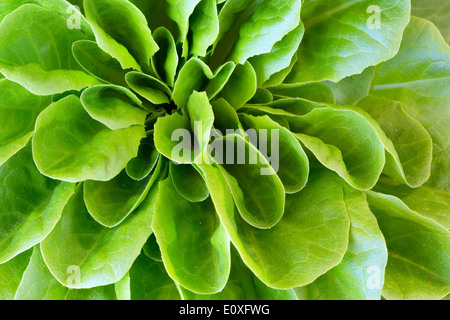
column 352, row 95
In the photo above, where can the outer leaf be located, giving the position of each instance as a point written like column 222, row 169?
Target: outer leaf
column 79, row 243
column 244, row 28
column 360, row 275
column 149, row 281
column 419, row 77
column 69, row 145
column 194, row 244
column 38, row 283
column 122, row 31
column 25, row 223
column 342, row 38
column 419, row 251
column 18, row 112
column 42, row 69
column 114, row 106
column 311, row 238
column 11, row 273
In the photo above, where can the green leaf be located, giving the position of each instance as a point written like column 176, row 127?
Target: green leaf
column 241, row 86
column 193, row 76
column 188, row 182
column 310, row 239
column 110, row 202
column 242, row 285
column 204, row 27
column 314, row 91
column 98, row 63
column 249, row 175
column 165, row 61
column 61, row 7
column 69, row 145
column 279, row 77
column 244, row 28
column 149, row 87
column 80, row 243
column 41, row 69
column 151, row 249
column 114, row 106
column 174, row 139
column 279, row 58
column 342, row 37
column 343, row 141
column 225, row 117
column 140, row 167
column 201, row 117
column 180, row 13
column 157, row 16
column 360, row 275
column 351, row 90
column 419, row 77
column 419, row 251
column 427, row 201
column 149, row 281
column 11, row 274
column 262, row 96
column 291, row 163
column 436, row 11
column 410, row 153
column 97, row 293
column 122, row 31
column 37, row 282
column 19, row 110
column 194, row 244
column 25, row 223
